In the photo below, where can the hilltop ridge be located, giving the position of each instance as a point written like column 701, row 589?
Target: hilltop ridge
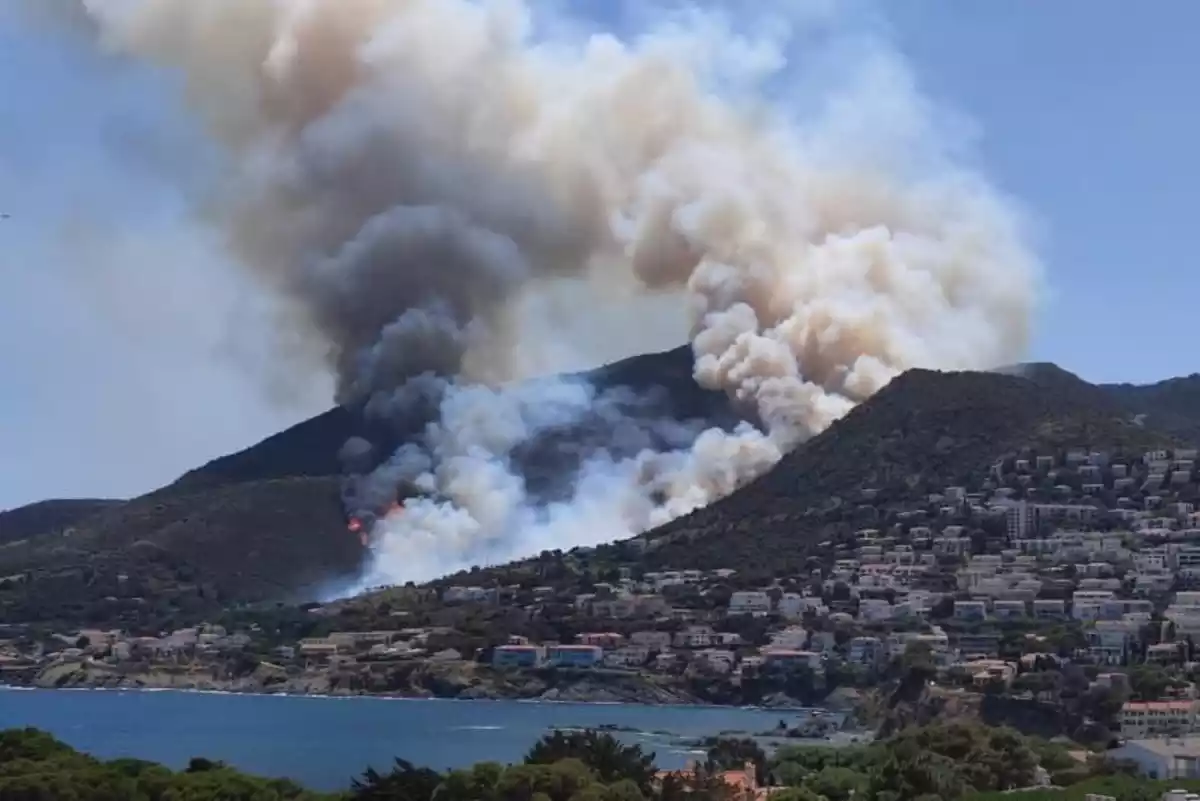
column 266, row 523
column 925, row 430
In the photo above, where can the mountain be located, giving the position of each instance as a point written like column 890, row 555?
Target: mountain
column 1173, row 405
column 35, row 518
column 924, row 431
column 268, row 523
column 661, row 386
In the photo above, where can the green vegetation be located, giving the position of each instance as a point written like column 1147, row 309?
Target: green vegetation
column 945, row 761
column 941, row 762
column 1123, row 788
column 36, row 767
column 563, row 767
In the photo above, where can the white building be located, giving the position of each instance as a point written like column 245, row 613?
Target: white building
column 749, row 602
column 695, row 637
column 792, row 638
column 629, row 656
column 970, row 610
column 656, row 641
column 1176, row 758
column 865, row 651
column 793, row 606
column 874, row 610
column 1159, row 718
column 1008, row 610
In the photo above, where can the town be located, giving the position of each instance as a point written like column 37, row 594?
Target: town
column 1063, row 581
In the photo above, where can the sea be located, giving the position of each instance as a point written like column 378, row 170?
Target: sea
column 323, row 743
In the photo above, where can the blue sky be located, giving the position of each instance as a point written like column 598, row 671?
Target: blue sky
column 1085, row 112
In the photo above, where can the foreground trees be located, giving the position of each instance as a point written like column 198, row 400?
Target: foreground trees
column 940, row 762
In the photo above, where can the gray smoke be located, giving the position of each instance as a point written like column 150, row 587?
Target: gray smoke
column 414, row 174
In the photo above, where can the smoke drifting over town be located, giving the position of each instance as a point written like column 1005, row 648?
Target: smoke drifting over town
column 412, row 176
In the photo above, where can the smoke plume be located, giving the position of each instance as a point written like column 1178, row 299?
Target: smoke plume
column 411, row 175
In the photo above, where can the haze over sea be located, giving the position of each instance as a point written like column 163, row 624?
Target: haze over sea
column 324, row 742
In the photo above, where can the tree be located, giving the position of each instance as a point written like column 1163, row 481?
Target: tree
column 611, row 760
column 1037, row 681
column 405, row 782
column 559, row 781
column 837, row 784
column 200, row 765
column 477, row 783
column 916, row 663
column 731, row 754
column 909, row 773
column 942, row 608
column 797, row 794
column 1149, row 682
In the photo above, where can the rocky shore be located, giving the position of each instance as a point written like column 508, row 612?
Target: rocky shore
column 461, row 680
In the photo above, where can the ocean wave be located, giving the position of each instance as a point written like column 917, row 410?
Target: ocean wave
column 477, row 728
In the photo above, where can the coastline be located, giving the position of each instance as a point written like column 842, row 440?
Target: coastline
column 446, row 681
column 321, row 743
column 16, row 688
column 843, row 734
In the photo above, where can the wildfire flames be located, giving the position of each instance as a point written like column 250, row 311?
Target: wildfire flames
column 355, row 525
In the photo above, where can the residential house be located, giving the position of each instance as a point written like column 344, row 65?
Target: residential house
column 1109, row 646
column 694, row 637
column 522, row 656
column 655, row 641
column 978, row 646
column 970, row 610
column 794, row 607
column 1158, row 718
column 874, row 610
column 602, row 639
column 1008, row 610
column 865, row 651
column 785, row 657
column 574, row 655
column 716, row 659
column 986, row 671
column 749, row 602
column 628, row 656
column 1173, row 758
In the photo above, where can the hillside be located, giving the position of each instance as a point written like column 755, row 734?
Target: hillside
column 1173, row 405
column 923, row 431
column 155, row 558
column 35, row 518
column 267, row 523
column 661, row 382
column 926, row 430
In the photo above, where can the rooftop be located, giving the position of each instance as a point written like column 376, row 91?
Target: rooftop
column 1172, row 747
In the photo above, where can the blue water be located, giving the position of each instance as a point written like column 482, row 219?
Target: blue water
column 324, row 742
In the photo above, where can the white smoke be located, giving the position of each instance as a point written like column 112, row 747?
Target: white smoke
column 413, row 174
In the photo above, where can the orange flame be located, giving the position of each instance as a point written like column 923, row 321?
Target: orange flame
column 355, row 525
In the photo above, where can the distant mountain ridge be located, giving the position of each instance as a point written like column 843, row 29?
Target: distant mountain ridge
column 266, row 523
column 1173, row 404
column 35, row 518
